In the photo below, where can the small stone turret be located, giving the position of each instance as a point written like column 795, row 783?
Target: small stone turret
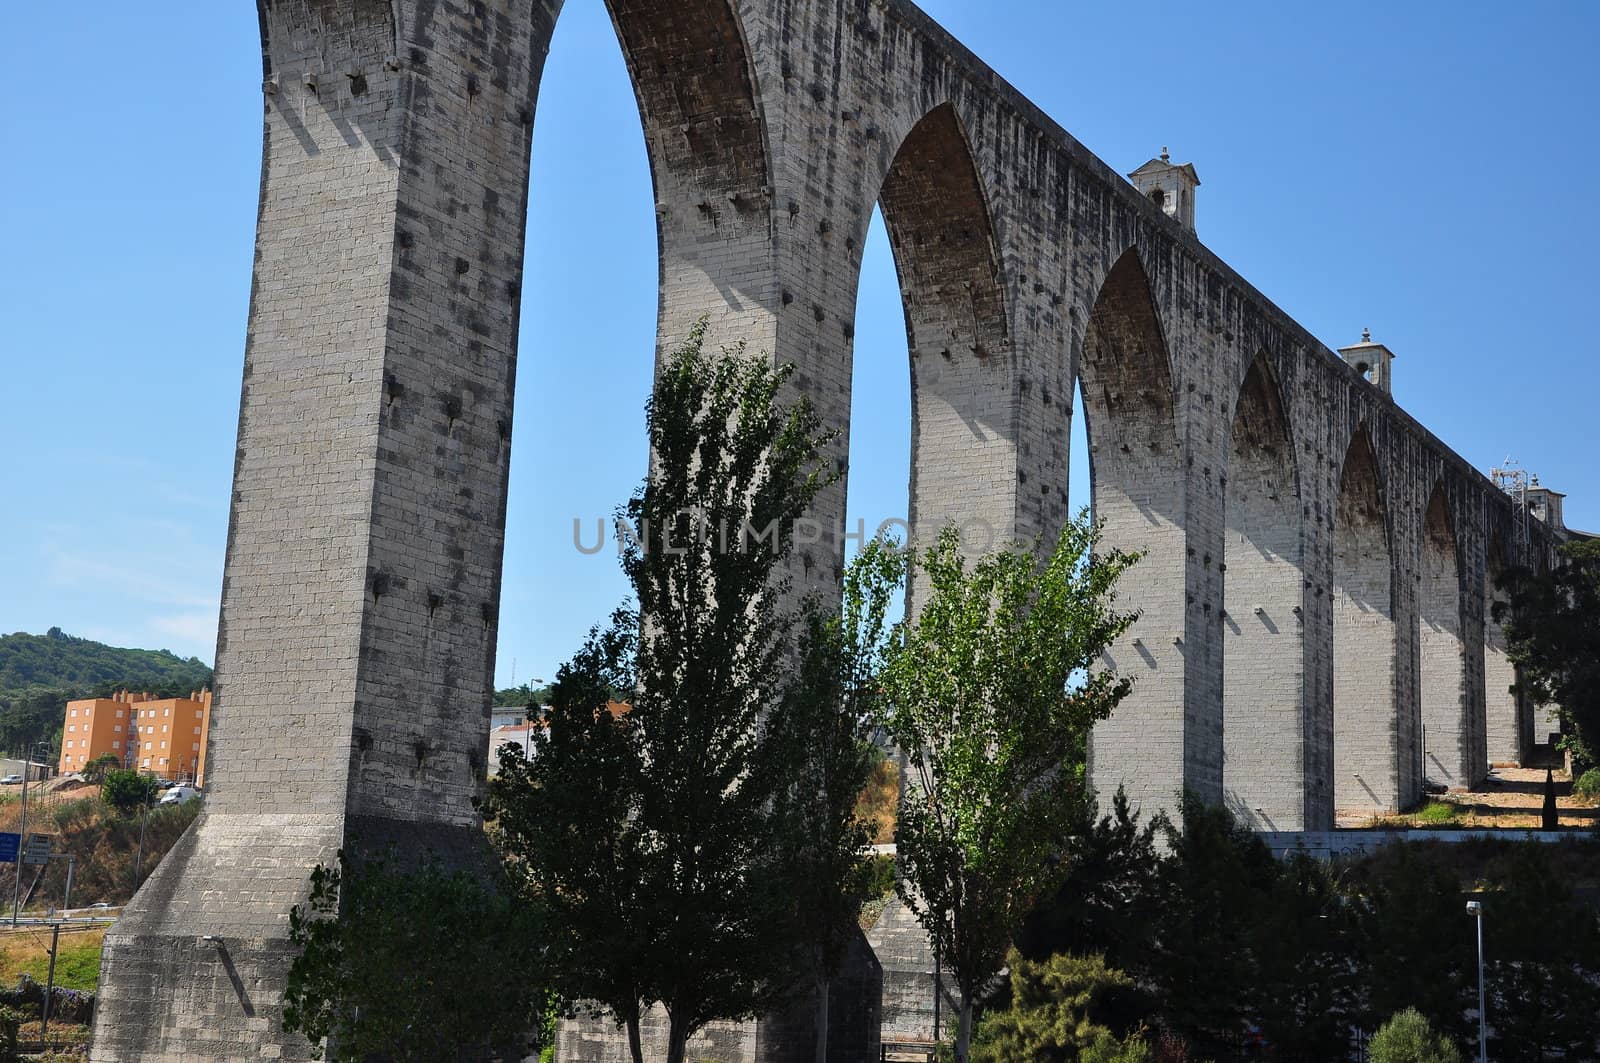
column 1373, row 361
column 1545, row 504
column 1171, row 187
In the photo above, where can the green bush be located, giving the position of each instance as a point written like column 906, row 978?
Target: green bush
column 1107, row 1049
column 10, row 1022
column 1408, row 1038
column 1587, row 788
column 1438, row 812
column 70, row 814
column 127, row 791
column 1064, row 1009
column 877, row 877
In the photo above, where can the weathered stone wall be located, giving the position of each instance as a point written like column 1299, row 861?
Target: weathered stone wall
column 364, row 555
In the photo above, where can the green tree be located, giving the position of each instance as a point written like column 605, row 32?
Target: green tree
column 989, row 693
column 567, row 822
column 1306, row 971
column 412, row 966
column 683, row 811
column 827, row 716
column 97, row 768
column 523, row 695
column 1552, row 626
column 1214, row 885
column 1410, row 1038
column 127, row 791
column 1414, row 939
column 1108, row 900
column 1065, row 1009
column 1543, row 956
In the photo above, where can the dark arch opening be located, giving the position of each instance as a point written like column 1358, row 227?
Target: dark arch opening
column 1136, row 488
column 947, row 262
column 1366, row 725
column 1450, row 741
column 1263, row 620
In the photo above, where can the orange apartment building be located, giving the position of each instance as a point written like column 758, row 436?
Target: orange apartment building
column 165, row 737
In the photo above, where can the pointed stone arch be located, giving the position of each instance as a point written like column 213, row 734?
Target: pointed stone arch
column 963, row 449
column 1366, row 732
column 1264, row 711
column 1449, row 740
column 710, row 161
column 1149, row 746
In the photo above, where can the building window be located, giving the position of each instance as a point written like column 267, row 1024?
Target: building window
column 163, row 728
column 69, row 743
column 116, row 743
column 195, row 748
column 119, row 714
column 197, row 730
column 72, row 727
column 74, row 712
column 166, row 712
column 147, row 746
column 117, row 727
column 146, row 763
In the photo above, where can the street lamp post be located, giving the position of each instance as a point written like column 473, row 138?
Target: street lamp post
column 1475, row 909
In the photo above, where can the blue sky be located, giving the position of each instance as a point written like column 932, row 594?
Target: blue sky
column 1421, row 168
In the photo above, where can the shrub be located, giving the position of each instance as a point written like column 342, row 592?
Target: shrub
column 877, row 877
column 127, row 791
column 69, row 814
column 10, row 1022
column 1438, row 813
column 387, row 953
column 1408, row 1038
column 1107, row 1049
column 1587, row 788
column 1062, row 1009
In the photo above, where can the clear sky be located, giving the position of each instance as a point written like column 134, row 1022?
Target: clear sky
column 1420, row 168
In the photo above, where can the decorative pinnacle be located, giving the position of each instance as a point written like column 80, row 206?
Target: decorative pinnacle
column 1164, row 156
column 1366, row 335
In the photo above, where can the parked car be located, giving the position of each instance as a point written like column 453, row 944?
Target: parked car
column 10, row 780
column 180, row 795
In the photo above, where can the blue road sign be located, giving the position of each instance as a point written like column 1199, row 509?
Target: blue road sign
column 10, row 844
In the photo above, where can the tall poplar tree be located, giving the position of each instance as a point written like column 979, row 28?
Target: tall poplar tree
column 661, row 841
column 990, row 692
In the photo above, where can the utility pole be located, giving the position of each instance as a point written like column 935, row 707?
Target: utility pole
column 50, row 985
column 22, row 829
column 138, row 865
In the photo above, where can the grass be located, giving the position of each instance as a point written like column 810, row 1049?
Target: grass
column 879, row 803
column 1438, row 814
column 28, row 952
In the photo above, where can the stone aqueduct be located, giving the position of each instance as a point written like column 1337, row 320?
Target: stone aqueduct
column 1318, row 576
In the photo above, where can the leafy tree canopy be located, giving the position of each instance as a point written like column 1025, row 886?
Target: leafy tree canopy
column 990, row 691
column 127, row 791
column 661, row 845
column 1065, row 1009
column 521, row 696
column 1409, row 1038
column 413, row 966
column 1552, row 626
